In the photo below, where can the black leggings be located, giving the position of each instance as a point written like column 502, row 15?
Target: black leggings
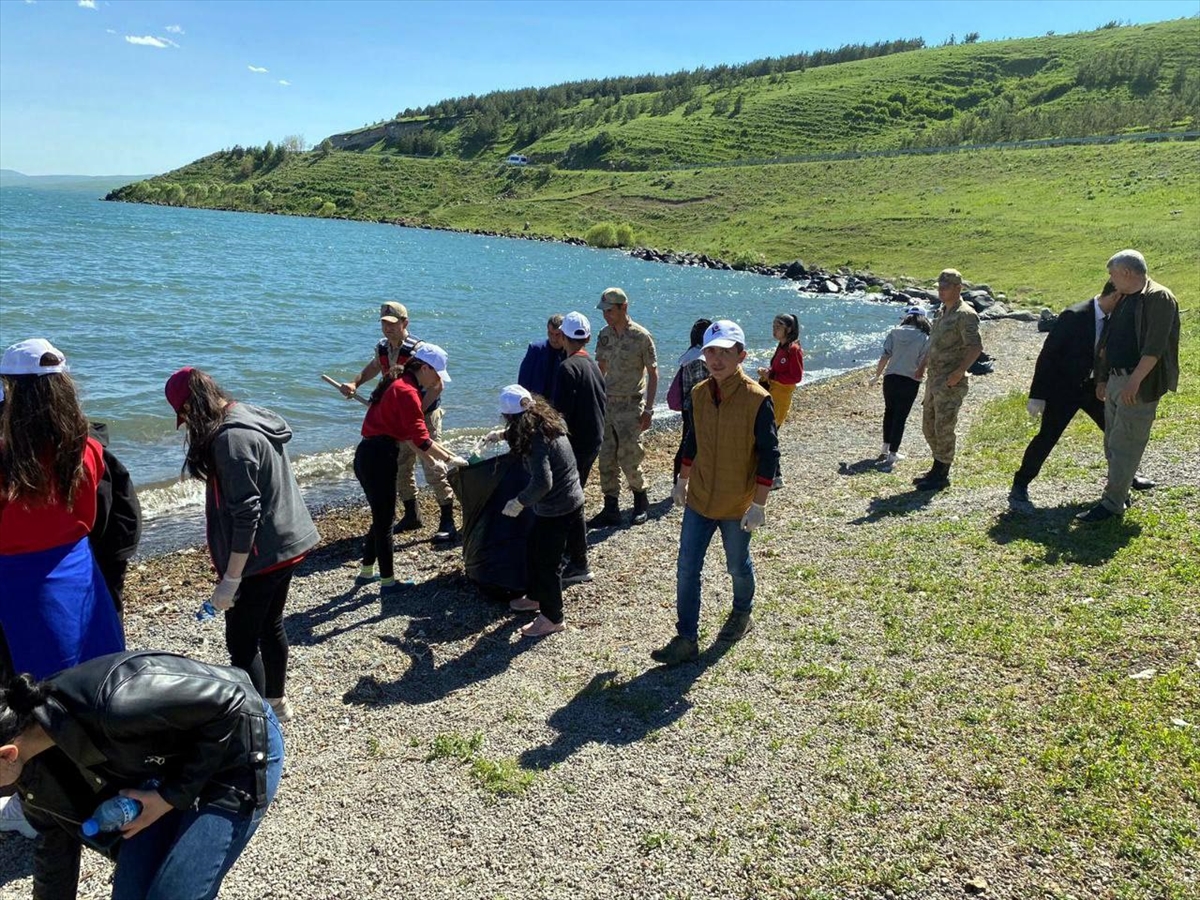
column 375, row 468
column 543, row 561
column 899, row 393
column 254, row 630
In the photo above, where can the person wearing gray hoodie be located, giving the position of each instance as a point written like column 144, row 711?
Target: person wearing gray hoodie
column 258, row 527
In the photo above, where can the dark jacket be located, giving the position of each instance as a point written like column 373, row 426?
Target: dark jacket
column 553, row 488
column 538, row 368
column 118, row 721
column 252, row 501
column 1067, row 356
column 580, row 399
column 118, row 527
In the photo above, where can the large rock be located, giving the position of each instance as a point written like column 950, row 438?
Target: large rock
column 795, row 270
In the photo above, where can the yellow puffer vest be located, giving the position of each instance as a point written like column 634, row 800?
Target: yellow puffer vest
column 723, row 473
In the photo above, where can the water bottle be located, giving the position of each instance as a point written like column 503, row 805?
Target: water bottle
column 205, row 612
column 112, row 815
column 116, row 812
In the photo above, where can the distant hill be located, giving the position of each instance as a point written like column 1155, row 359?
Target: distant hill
column 861, row 97
column 13, row 178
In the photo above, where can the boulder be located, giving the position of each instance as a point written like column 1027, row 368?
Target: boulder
column 795, row 270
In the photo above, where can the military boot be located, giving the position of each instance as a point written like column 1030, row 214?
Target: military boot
column 609, row 516
column 446, row 532
column 938, row 478
column 411, row 520
column 641, row 507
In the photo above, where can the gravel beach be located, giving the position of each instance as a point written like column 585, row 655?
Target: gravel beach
column 435, row 750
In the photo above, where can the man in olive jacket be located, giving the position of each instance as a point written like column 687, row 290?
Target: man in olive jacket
column 1137, row 361
column 728, row 466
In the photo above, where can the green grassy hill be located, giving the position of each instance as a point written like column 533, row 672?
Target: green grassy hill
column 1102, row 82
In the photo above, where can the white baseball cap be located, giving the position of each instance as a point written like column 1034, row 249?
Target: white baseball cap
column 723, row 333
column 514, row 399
column 576, row 326
column 434, row 357
column 25, row 358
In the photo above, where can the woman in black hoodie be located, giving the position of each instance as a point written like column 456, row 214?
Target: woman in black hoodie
column 258, row 526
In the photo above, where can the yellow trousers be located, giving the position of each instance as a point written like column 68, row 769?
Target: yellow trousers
column 781, row 399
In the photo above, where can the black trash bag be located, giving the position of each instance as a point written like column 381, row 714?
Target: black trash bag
column 493, row 545
column 984, row 365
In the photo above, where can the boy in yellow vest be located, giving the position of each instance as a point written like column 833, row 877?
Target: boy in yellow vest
column 728, row 465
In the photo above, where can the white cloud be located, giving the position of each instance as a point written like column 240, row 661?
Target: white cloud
column 258, row 69
column 110, row 30
column 146, row 40
column 285, row 83
column 88, row 4
column 174, row 29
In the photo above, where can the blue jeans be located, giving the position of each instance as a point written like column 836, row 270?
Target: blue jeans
column 185, row 855
column 694, row 538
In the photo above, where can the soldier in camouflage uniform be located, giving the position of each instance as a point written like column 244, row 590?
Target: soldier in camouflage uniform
column 626, row 355
column 954, row 345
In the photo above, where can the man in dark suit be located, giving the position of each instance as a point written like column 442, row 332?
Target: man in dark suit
column 1063, row 385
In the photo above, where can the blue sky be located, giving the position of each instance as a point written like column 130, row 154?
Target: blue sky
column 115, row 87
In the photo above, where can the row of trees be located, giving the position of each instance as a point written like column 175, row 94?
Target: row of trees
column 537, row 111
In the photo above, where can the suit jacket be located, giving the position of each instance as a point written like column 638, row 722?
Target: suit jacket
column 1068, row 354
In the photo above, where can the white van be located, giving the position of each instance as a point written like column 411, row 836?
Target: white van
column 517, row 160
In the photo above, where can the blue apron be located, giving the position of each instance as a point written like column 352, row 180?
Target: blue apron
column 56, row 610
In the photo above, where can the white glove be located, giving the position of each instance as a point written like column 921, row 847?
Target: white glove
column 1035, row 407
column 494, row 436
column 459, row 462
column 679, row 492
column 513, row 507
column 224, row 595
column 755, row 517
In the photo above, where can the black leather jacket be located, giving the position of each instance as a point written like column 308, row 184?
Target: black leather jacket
column 120, row 720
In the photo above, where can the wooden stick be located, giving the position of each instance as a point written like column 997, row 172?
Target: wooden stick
column 337, row 384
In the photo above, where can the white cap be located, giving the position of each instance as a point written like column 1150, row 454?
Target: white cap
column 25, row 358
column 434, row 357
column 723, row 333
column 576, row 326
column 514, row 399
column 914, row 311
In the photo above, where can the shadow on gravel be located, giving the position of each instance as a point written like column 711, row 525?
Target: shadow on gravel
column 659, row 509
column 1065, row 540
column 896, row 505
column 437, row 618
column 615, row 712
column 309, row 626
column 332, row 556
column 16, row 858
column 861, row 467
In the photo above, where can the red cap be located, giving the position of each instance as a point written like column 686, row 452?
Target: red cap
column 179, row 392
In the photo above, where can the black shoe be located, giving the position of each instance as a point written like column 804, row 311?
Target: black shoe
column 1018, row 497
column 932, row 471
column 446, row 532
column 1098, row 513
column 411, row 520
column 574, row 574
column 735, row 627
column 1142, row 483
column 678, row 650
column 641, row 508
column 938, row 478
column 608, row 517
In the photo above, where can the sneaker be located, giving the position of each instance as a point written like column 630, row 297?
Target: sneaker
column 1142, row 483
column 394, row 587
column 678, row 650
column 12, row 818
column 889, row 462
column 541, row 626
column 881, row 459
column 777, row 483
column 735, row 627
column 573, row 574
column 283, row 709
column 366, row 575
column 524, row 604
